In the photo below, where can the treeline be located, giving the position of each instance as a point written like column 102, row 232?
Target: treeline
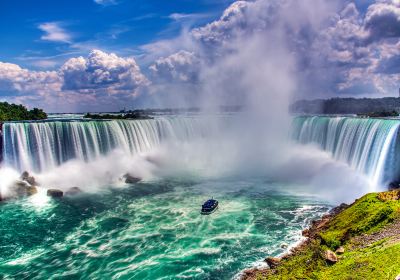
column 346, row 105
column 128, row 116
column 14, row 112
column 383, row 114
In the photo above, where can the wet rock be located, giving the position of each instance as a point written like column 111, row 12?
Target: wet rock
column 25, row 176
column 31, row 190
column 284, row 246
column 340, row 250
column 330, row 257
column 55, row 193
column 73, row 191
column 129, row 179
column 273, row 262
column 22, row 188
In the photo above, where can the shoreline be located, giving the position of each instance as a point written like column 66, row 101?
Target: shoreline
column 332, row 244
column 251, row 272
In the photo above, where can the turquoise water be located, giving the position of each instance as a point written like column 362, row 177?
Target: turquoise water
column 152, row 230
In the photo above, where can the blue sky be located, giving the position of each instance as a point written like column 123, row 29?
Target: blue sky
column 105, row 55
column 121, row 26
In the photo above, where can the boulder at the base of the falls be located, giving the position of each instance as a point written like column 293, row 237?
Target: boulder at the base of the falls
column 129, row 179
column 25, row 176
column 55, row 193
column 73, row 191
column 22, row 188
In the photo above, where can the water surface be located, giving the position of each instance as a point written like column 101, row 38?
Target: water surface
column 152, row 230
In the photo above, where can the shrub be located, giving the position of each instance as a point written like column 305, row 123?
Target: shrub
column 13, row 112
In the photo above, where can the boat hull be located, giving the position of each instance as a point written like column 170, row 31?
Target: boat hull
column 209, row 212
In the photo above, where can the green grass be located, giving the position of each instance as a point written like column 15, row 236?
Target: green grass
column 366, row 215
column 380, row 260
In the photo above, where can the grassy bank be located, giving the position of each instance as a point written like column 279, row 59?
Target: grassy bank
column 365, row 236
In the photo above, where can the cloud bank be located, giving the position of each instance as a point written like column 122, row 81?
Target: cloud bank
column 320, row 48
column 99, row 80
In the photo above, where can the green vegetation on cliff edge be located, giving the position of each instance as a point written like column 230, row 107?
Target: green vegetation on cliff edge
column 368, row 230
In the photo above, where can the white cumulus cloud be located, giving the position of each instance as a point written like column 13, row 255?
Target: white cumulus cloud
column 54, row 32
column 20, row 81
column 182, row 66
column 102, row 71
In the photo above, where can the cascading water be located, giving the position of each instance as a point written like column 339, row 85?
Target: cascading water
column 153, row 229
column 39, row 146
column 368, row 145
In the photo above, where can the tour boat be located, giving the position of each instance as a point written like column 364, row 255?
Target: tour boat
column 209, row 207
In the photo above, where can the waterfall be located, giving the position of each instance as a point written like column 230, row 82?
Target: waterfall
column 39, row 146
column 367, row 145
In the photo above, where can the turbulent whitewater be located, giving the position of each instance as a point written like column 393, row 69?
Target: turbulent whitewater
column 152, row 229
column 368, row 145
column 40, row 146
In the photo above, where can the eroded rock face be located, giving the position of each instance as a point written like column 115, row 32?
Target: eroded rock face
column 129, row 179
column 55, row 193
column 273, row 262
column 330, row 257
